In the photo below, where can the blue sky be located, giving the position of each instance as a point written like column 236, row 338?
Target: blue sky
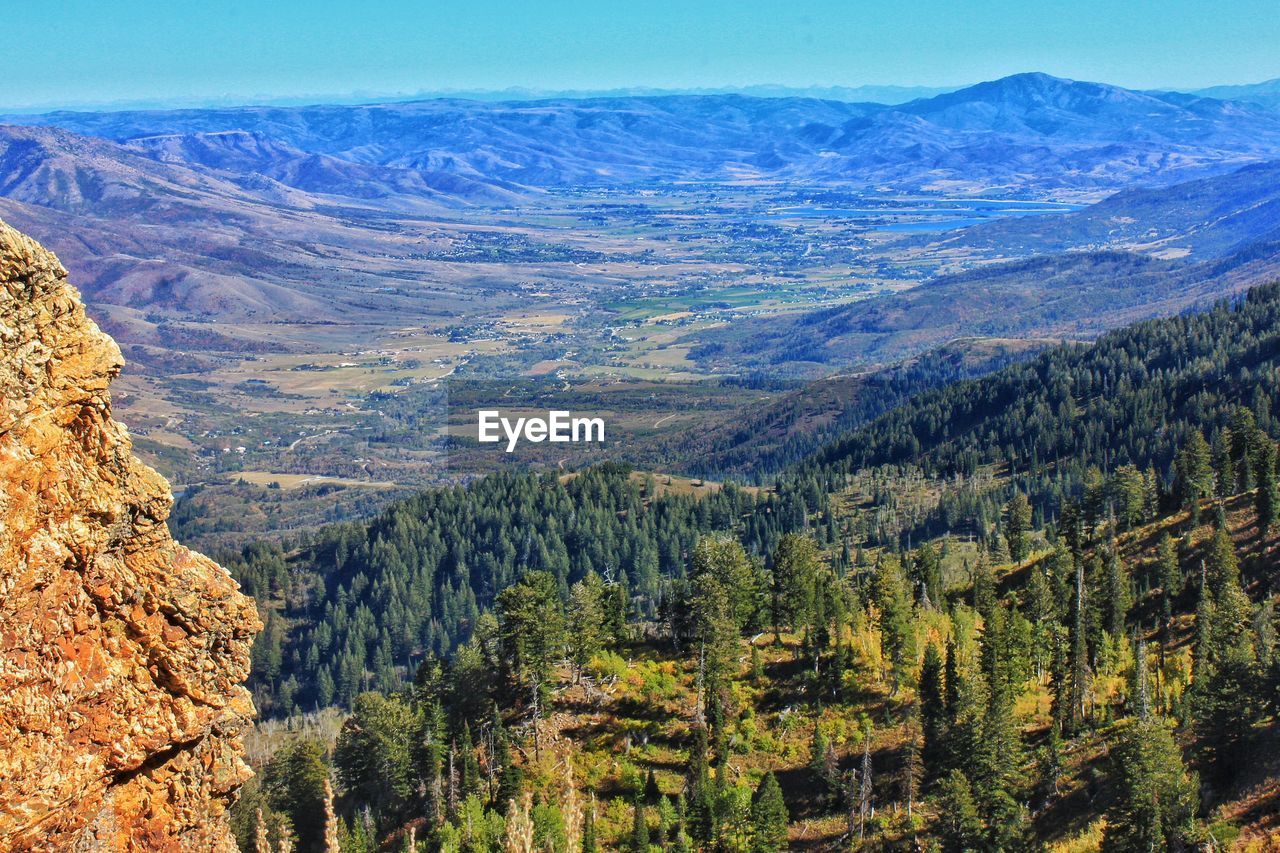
column 80, row 52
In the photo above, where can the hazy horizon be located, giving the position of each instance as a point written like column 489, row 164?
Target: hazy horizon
column 890, row 93
column 145, row 52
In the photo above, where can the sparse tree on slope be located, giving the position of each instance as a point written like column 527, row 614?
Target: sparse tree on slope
column 768, row 817
column 1017, row 527
column 1267, row 498
column 933, row 712
column 795, row 563
column 1157, row 798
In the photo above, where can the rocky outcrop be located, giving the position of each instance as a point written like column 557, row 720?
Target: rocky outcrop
column 121, row 652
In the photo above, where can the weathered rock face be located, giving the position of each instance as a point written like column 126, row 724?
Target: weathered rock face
column 121, row 652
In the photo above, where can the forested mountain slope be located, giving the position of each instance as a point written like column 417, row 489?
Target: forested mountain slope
column 1131, row 398
column 364, row 603
column 759, row 443
column 1083, row 664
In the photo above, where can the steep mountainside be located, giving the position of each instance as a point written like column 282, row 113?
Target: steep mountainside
column 1031, row 132
column 1132, row 397
column 1080, row 656
column 121, row 652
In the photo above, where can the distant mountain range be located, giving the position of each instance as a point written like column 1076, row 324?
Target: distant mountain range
column 225, row 228
column 1266, row 94
column 886, row 94
column 1209, row 217
column 1025, row 134
column 1139, row 254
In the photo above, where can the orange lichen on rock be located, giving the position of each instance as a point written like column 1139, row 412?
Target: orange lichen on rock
column 122, row 653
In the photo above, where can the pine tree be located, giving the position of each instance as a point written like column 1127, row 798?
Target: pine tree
column 769, row 817
column 586, row 620
column 374, row 754
column 933, row 712
column 1117, row 595
column 1223, row 467
column 589, row 843
column 959, row 821
column 984, row 585
column 1078, row 660
column 295, row 781
column 1018, row 526
column 817, row 749
column 897, row 634
column 795, row 564
column 532, row 633
column 927, row 575
column 1195, row 472
column 715, row 633
column 1157, row 798
column 470, row 764
column 952, row 680
column 1226, row 684
column 1168, row 575
column 1267, row 498
column 652, row 793
column 639, row 828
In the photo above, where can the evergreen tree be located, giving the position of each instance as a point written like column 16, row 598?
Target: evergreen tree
column 1157, row 798
column 1243, row 434
column 897, row 631
column 795, row 566
column 652, row 793
column 1117, row 595
column 1017, row 527
column 470, row 764
column 951, row 681
column 723, row 558
column 959, row 821
column 586, row 620
column 532, row 631
column 984, row 585
column 295, row 781
column 639, row 828
column 374, row 754
column 589, row 843
column 769, row 817
column 933, row 712
column 927, row 575
column 1225, row 685
column 823, row 762
column 1267, row 498
column 715, row 633
column 1168, row 575
column 1195, row 472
